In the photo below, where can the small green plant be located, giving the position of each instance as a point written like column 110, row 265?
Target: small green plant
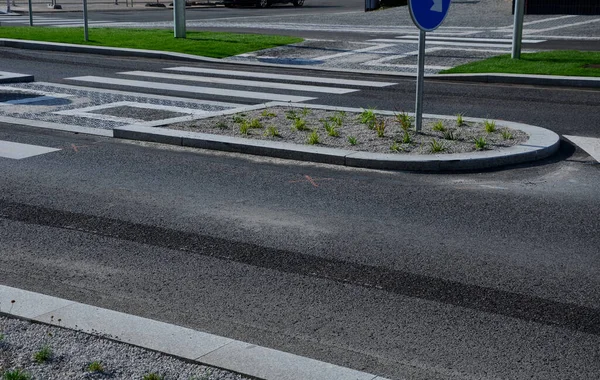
column 352, row 140
column 395, row 147
column 331, row 129
column 267, row 113
column 338, row 118
column 43, row 355
column 272, row 132
column 406, row 138
column 305, row 112
column 300, row 124
column 437, row 146
column 480, row 143
column 313, row 138
column 404, row 120
column 449, row 135
column 459, row 120
column 367, row 117
column 238, row 119
column 291, row 115
column 380, row 127
column 255, row 124
column 1, row 337
column 153, row 376
column 506, row 135
column 221, row 124
column 489, row 126
column 95, row 366
column 439, row 126
column 16, row 374
column 244, row 128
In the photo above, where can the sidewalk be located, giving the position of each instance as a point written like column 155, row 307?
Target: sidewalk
column 112, row 6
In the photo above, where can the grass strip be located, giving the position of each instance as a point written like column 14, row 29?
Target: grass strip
column 206, row 44
column 568, row 63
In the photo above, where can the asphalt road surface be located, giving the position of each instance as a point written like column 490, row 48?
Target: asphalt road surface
column 490, row 275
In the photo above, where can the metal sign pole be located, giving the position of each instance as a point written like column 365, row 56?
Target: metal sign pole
column 85, row 21
column 30, row 14
column 179, row 18
column 420, row 82
column 518, row 28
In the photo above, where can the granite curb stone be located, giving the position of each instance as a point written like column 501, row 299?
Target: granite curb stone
column 542, row 143
column 544, row 80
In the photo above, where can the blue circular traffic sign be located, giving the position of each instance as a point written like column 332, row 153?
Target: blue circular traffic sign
column 428, row 14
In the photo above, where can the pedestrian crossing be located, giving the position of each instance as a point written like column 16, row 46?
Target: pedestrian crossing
column 455, row 42
column 45, row 21
column 18, row 151
column 252, row 86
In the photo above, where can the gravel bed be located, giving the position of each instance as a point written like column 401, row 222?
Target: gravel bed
column 393, row 140
column 72, row 352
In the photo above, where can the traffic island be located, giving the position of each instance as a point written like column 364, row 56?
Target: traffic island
column 365, row 138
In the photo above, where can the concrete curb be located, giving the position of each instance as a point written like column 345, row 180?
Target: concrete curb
column 541, row 144
column 6, row 77
column 191, row 345
column 542, row 80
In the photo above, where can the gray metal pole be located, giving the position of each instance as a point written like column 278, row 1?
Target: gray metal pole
column 518, row 28
column 179, row 18
column 85, row 21
column 30, row 14
column 420, row 82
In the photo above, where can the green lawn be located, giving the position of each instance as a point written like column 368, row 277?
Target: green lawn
column 572, row 63
column 207, row 44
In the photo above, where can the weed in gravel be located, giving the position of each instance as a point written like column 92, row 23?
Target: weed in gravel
column 1, row 337
column 367, row 117
column 506, row 135
column 271, row 131
column 16, row 374
column 489, row 126
column 406, row 139
column 352, row 140
column 43, row 355
column 305, row 112
column 437, row 146
column 300, row 125
column 95, row 366
column 459, row 120
column 439, row 127
column 404, row 120
column 480, row 143
column 313, row 138
column 255, row 124
column 338, row 118
column 267, row 113
column 449, row 135
column 153, row 376
column 291, row 115
column 380, row 127
column 221, row 124
column 238, row 119
column 331, row 129
column 244, row 128
column 396, row 147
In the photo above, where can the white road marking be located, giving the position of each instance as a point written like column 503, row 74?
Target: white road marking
column 352, row 52
column 192, row 89
column 239, row 82
column 296, row 78
column 443, row 43
column 18, row 151
column 589, row 144
column 470, row 39
column 532, row 31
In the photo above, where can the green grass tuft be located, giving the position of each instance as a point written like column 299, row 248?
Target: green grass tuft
column 506, row 135
column 352, row 140
column 153, row 376
column 95, row 366
column 439, row 126
column 43, row 355
column 480, row 143
column 269, row 114
column 313, row 138
column 16, row 374
column 437, row 146
column 489, row 126
column 367, row 117
column 271, row 131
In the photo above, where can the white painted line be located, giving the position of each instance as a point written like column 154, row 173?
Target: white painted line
column 590, row 144
column 444, row 43
column 352, row 52
column 469, row 39
column 192, row 89
column 533, row 31
column 240, row 82
column 204, row 348
column 140, row 94
column 18, row 151
column 296, row 78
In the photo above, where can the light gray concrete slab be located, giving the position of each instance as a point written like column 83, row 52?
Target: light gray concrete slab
column 26, row 304
column 266, row 363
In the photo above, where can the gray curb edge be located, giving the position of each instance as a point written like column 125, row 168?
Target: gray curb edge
column 6, row 77
column 542, row 143
column 543, row 80
column 184, row 343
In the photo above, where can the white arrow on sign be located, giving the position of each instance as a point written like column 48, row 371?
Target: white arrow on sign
column 437, row 6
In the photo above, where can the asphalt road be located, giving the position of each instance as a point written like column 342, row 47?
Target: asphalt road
column 489, row 275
